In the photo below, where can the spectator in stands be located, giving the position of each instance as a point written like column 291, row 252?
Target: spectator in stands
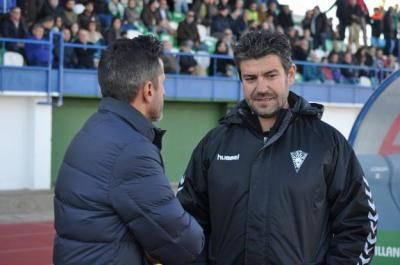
column 85, row 55
column 311, row 72
column 14, row 27
column 220, row 22
column 187, row 62
column 50, row 8
column 88, row 15
column 30, row 10
column 164, row 23
column 114, row 32
column 389, row 31
column 58, row 24
column 230, row 40
column 37, row 54
column 95, row 35
column 238, row 22
column 101, row 10
column 301, row 52
column 181, row 6
column 70, row 17
column 337, row 48
column 262, row 13
column 75, row 32
column 221, row 66
column 116, row 8
column 48, row 26
column 285, row 19
column 150, row 15
column 187, row 30
column 364, row 19
column 211, row 10
column 306, row 21
column 252, row 12
column 319, row 28
column 349, row 74
column 377, row 26
column 132, row 13
column 273, row 11
column 70, row 60
column 362, row 58
column 333, row 58
column 354, row 14
column 169, row 59
column 341, row 14
column 327, row 72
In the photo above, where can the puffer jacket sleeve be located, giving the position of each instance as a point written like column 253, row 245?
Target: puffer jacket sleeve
column 353, row 215
column 192, row 193
column 144, row 200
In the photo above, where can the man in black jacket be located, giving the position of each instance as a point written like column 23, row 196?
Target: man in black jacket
column 113, row 203
column 273, row 184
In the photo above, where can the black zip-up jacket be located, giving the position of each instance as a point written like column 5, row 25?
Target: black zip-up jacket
column 295, row 197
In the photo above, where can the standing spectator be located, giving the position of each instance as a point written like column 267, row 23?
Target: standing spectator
column 132, row 13
column 306, row 22
column 220, row 22
column 187, row 30
column 377, row 26
column 37, row 54
column 221, row 66
column 88, row 15
column 341, row 14
column 354, row 14
column 85, row 55
column 30, row 10
column 364, row 19
column 14, row 27
column 114, row 32
column 389, row 31
column 319, row 29
column 285, row 19
column 116, row 8
column 70, row 17
column 51, row 8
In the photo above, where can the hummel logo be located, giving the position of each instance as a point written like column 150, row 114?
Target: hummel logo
column 222, row 157
column 298, row 158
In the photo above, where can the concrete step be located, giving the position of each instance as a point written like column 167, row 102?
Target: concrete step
column 26, row 206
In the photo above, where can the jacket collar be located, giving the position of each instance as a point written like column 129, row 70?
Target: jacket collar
column 134, row 118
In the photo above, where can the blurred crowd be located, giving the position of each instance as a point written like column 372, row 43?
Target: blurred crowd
column 197, row 28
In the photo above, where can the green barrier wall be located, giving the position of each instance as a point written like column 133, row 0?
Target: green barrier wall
column 185, row 122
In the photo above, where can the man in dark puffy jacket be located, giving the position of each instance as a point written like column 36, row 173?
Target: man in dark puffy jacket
column 273, row 184
column 113, row 203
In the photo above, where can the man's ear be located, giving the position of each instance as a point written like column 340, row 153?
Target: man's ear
column 148, row 91
column 292, row 74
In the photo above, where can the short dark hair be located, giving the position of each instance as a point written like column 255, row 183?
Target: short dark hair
column 126, row 64
column 259, row 43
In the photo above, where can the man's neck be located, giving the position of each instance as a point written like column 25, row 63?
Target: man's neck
column 266, row 123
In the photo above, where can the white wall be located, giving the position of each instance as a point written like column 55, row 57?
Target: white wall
column 341, row 116
column 25, row 142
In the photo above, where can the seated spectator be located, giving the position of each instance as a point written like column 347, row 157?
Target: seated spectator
column 51, row 8
column 75, row 32
column 101, row 10
column 252, row 13
column 220, row 22
column 230, row 40
column 206, row 11
column 301, row 52
column 48, row 25
column 114, row 32
column 327, row 72
column 150, row 15
column 58, row 24
column 88, row 15
column 70, row 17
column 30, row 10
column 312, row 72
column 70, row 60
column 187, row 62
column 116, row 8
column 349, row 74
column 362, row 58
column 14, row 27
column 132, row 13
column 169, row 59
column 187, row 30
column 238, row 22
column 85, row 55
column 285, row 19
column 164, row 24
column 94, row 35
column 37, row 54
column 333, row 58
column 221, row 66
